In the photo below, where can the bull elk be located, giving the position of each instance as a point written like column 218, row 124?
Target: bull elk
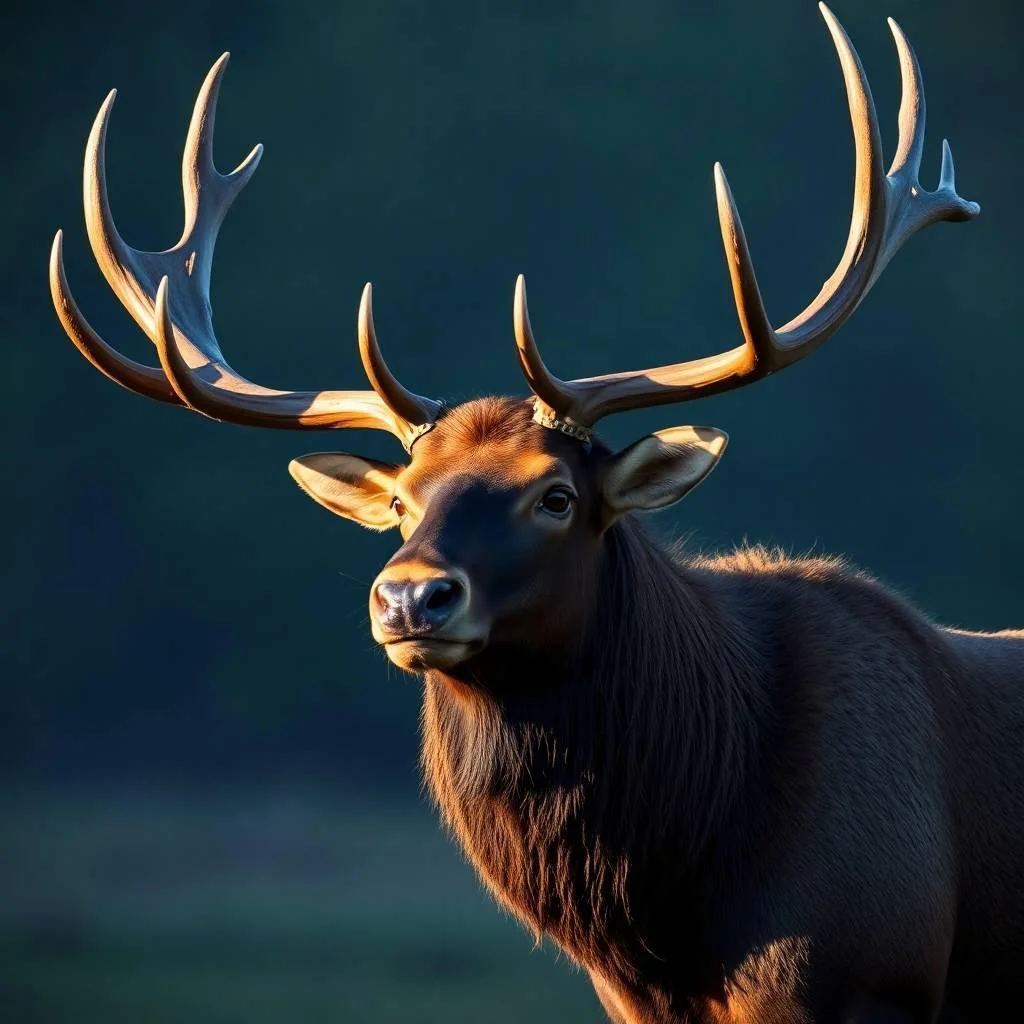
column 742, row 788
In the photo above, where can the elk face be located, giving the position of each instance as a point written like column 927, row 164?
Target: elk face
column 502, row 521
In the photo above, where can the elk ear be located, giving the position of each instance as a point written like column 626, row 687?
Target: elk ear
column 661, row 468
column 358, row 489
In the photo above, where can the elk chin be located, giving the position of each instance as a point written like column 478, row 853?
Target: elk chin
column 420, row 654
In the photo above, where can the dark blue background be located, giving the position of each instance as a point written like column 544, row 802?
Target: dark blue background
column 207, row 771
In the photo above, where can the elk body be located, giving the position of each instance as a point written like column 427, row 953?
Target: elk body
column 748, row 788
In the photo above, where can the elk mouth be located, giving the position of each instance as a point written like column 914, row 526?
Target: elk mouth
column 419, row 653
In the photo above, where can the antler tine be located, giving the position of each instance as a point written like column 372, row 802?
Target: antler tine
column 143, row 380
column 112, row 254
column 197, row 167
column 413, row 408
column 168, row 295
column 543, row 383
column 887, row 210
column 910, row 147
column 207, row 193
column 906, row 165
column 911, row 206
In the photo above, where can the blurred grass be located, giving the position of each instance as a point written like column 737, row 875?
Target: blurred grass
column 243, row 908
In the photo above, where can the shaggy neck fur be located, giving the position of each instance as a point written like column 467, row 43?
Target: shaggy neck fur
column 566, row 794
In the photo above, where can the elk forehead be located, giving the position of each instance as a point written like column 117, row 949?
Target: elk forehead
column 474, row 546
column 493, row 440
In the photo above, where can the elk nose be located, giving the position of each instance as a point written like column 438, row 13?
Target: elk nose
column 417, row 606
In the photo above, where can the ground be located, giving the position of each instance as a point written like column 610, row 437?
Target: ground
column 256, row 909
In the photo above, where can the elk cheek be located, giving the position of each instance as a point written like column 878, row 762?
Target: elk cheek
column 545, row 610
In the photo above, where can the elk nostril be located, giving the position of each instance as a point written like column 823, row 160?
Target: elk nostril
column 387, row 596
column 442, row 593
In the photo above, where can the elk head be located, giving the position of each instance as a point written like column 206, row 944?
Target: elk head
column 504, row 505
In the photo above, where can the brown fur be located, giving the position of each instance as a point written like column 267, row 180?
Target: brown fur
column 746, row 788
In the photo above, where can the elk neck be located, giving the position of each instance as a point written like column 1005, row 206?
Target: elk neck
column 542, row 786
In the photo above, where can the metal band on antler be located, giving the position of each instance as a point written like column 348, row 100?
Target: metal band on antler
column 546, row 418
column 887, row 210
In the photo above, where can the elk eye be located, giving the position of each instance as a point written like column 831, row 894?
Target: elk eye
column 557, row 502
column 397, row 507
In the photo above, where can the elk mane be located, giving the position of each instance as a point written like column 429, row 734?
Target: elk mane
column 542, row 788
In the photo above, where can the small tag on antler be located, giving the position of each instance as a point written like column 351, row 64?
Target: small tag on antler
column 548, row 418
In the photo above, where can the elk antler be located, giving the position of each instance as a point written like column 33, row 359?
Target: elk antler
column 168, row 295
column 887, row 210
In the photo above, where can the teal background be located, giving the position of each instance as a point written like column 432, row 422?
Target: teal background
column 209, row 805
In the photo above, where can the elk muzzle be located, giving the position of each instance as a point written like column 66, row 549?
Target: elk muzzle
column 422, row 616
column 417, row 607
